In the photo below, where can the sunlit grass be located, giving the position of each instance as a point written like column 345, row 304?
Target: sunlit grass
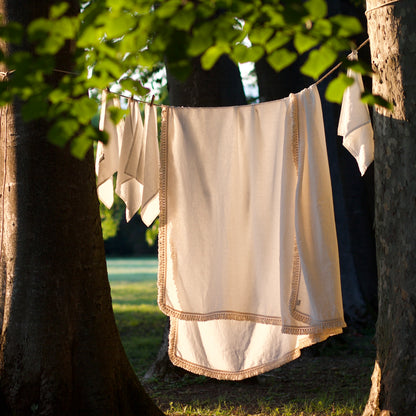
column 139, row 320
column 318, row 407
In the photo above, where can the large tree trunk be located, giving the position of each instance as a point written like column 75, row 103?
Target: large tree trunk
column 221, row 86
column 392, row 32
column 60, row 351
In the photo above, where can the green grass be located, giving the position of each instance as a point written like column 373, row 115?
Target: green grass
column 139, row 320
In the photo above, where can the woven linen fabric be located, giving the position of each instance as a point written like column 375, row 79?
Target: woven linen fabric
column 108, row 155
column 355, row 122
column 142, row 164
column 132, row 151
column 248, row 256
column 128, row 188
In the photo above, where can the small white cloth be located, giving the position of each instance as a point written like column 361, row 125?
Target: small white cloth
column 143, row 165
column 108, row 155
column 132, row 151
column 128, row 188
column 355, row 123
column 248, row 258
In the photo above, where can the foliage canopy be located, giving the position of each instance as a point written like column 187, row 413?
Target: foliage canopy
column 113, row 41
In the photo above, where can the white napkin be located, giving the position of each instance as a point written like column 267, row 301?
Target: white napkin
column 355, row 123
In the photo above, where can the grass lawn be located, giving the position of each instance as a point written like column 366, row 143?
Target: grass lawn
column 139, row 320
column 329, row 379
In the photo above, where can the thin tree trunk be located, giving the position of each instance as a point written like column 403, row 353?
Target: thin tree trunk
column 60, row 351
column 392, row 32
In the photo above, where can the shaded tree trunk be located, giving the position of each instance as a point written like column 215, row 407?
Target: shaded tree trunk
column 221, row 86
column 60, row 351
column 392, row 32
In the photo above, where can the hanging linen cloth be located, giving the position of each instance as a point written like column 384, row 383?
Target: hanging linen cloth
column 108, row 155
column 248, row 260
column 131, row 152
column 355, row 122
column 142, row 164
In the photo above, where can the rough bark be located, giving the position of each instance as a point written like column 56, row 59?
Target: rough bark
column 221, row 86
column 60, row 351
column 392, row 33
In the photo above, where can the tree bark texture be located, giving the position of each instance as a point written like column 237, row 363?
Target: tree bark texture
column 392, row 33
column 60, row 351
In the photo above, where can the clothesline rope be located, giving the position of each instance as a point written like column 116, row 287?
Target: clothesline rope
column 390, row 3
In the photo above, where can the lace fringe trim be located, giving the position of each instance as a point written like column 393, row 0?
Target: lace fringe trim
column 242, row 374
column 163, row 174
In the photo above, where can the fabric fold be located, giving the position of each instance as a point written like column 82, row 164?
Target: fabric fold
column 143, row 165
column 128, row 188
column 108, row 155
column 132, row 151
column 355, row 122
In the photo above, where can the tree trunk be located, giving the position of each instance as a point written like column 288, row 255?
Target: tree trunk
column 221, row 86
column 60, row 351
column 392, row 32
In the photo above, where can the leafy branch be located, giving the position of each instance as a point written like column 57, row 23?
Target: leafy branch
column 112, row 40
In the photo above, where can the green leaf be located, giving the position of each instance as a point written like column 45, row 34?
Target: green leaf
column 211, row 56
column 278, row 40
column 135, row 87
column 12, row 32
column 58, row 95
column 321, row 28
column 260, row 35
column 294, row 13
column 242, row 53
column 81, row 143
column 347, row 25
column 168, row 8
column 84, row 109
column 199, row 43
column 116, row 114
column 183, row 20
column 303, row 42
column 62, row 131
column 34, row 108
column 316, row 8
column 281, row 59
column 57, row 10
column 361, row 67
column 336, row 88
column 372, row 99
column 118, row 26
column 318, row 61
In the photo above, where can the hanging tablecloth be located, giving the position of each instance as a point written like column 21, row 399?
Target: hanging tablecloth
column 248, row 256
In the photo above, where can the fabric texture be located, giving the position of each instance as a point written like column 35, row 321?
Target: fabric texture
column 108, row 155
column 128, row 188
column 248, row 259
column 355, row 123
column 132, row 151
column 143, row 165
